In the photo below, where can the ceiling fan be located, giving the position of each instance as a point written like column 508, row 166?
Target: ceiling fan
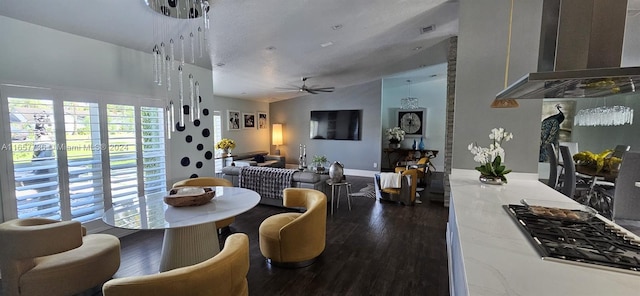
column 304, row 88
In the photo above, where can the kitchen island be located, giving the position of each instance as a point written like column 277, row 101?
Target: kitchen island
column 490, row 255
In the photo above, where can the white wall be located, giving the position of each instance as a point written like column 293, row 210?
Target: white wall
column 39, row 56
column 246, row 139
column 431, row 95
column 482, row 48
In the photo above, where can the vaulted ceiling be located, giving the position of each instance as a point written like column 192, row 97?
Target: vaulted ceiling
column 256, row 46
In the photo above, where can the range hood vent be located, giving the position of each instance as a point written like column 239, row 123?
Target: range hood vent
column 580, row 53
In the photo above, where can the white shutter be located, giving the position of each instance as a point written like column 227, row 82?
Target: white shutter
column 84, row 160
column 153, row 152
column 122, row 153
column 35, row 166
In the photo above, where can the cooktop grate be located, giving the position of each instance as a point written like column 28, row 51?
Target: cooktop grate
column 590, row 240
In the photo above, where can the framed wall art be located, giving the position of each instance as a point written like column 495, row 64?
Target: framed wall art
column 262, row 120
column 248, row 120
column 233, row 120
column 412, row 121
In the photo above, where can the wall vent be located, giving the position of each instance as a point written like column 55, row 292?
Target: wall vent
column 427, row 29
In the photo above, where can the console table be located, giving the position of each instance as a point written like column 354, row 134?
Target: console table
column 394, row 155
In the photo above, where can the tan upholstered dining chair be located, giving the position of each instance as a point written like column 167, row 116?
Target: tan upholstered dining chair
column 207, row 182
column 296, row 239
column 48, row 257
column 223, row 275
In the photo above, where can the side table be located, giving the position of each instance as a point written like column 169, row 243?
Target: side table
column 333, row 192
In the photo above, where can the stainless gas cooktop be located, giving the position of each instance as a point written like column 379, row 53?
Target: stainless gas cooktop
column 578, row 237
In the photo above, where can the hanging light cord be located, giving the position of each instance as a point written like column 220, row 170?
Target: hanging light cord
column 507, row 102
column 506, row 66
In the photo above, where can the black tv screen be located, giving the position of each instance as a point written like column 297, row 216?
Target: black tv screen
column 336, row 125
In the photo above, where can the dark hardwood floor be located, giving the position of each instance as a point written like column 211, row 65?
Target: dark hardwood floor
column 379, row 248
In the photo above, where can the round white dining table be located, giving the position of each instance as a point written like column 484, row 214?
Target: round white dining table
column 190, row 234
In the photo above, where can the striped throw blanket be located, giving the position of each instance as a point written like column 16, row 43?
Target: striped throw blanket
column 266, row 181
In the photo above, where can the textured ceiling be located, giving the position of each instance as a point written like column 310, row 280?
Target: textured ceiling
column 266, row 44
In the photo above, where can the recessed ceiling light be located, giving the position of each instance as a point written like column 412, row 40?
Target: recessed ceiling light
column 271, row 48
column 417, row 48
column 244, row 93
column 337, row 27
column 326, row 44
column 433, row 75
column 221, row 64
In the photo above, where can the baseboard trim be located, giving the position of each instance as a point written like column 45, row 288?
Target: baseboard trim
column 360, row 173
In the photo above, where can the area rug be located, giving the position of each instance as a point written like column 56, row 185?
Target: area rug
column 368, row 191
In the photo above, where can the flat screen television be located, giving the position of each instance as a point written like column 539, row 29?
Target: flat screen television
column 336, row 125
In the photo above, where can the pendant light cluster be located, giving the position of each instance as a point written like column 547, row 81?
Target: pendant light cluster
column 604, row 116
column 409, row 102
column 171, row 53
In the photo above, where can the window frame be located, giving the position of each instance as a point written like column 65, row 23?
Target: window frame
column 8, row 203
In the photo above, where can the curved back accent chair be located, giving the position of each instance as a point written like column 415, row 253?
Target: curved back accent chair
column 49, row 257
column 208, row 182
column 223, row 275
column 296, row 239
column 406, row 194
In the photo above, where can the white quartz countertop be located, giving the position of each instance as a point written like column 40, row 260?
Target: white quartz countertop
column 498, row 257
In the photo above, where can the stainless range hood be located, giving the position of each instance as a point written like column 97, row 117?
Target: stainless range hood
column 580, row 53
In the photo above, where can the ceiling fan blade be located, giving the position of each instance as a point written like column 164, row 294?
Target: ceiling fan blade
column 324, row 89
column 286, row 89
column 311, row 91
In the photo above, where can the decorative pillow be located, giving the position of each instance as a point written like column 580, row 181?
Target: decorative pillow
column 259, row 158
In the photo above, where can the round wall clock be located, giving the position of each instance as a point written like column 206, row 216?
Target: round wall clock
column 411, row 122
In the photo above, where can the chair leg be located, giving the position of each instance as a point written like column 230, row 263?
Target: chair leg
column 349, row 196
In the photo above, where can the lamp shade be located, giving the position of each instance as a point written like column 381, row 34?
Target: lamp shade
column 276, row 134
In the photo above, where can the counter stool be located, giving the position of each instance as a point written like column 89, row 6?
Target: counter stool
column 333, row 192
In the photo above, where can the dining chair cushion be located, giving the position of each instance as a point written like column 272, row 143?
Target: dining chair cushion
column 626, row 200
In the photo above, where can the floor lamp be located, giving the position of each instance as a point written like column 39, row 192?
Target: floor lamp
column 276, row 136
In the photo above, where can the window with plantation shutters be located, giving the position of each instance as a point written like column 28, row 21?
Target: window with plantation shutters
column 217, row 136
column 72, row 155
column 153, row 152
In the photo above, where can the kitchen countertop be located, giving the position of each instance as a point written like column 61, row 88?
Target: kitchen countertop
column 493, row 256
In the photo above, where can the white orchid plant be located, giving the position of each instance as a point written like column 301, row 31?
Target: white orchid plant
column 491, row 158
column 395, row 135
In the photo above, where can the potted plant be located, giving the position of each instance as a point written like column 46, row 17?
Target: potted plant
column 395, row 135
column 226, row 145
column 319, row 161
column 492, row 169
